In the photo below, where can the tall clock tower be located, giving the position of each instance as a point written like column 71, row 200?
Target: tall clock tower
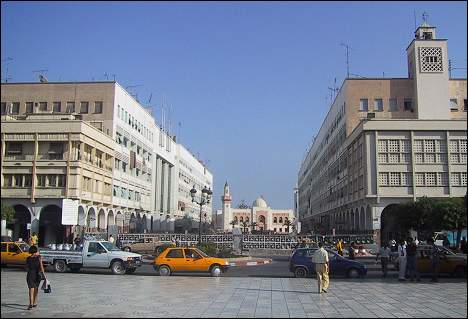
column 428, row 67
column 226, row 200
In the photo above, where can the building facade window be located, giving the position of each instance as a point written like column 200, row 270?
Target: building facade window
column 84, row 107
column 57, row 107
column 363, row 105
column 453, row 105
column 15, row 108
column 29, row 107
column 393, row 106
column 3, row 108
column 70, row 107
column 378, row 105
column 98, row 107
column 43, row 106
column 408, row 104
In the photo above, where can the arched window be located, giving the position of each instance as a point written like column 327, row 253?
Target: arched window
column 247, row 219
column 235, row 219
column 241, row 219
column 285, row 219
column 262, row 219
column 281, row 221
column 275, row 220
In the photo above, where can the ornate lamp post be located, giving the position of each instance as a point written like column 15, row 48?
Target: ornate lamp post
column 204, row 199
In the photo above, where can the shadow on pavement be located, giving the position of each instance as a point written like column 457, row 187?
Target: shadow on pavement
column 15, row 306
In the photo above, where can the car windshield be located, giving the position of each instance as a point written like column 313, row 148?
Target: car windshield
column 24, row 247
column 202, row 253
column 109, row 246
column 445, row 250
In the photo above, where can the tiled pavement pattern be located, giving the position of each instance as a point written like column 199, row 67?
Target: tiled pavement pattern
column 93, row 295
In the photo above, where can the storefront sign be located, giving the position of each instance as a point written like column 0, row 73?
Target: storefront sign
column 69, row 212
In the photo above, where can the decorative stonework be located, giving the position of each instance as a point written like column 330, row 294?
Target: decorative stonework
column 430, row 59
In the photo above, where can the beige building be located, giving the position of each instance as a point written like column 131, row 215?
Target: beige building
column 139, row 192
column 387, row 141
column 47, row 159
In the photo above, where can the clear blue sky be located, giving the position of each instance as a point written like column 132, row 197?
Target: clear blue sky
column 248, row 81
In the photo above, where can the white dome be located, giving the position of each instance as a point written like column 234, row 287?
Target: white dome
column 260, row 202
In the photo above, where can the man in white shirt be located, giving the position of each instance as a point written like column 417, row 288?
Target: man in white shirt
column 320, row 259
column 402, row 261
column 111, row 239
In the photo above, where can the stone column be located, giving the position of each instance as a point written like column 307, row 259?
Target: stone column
column 165, row 187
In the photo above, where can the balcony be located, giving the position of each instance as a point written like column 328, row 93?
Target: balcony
column 50, row 157
column 19, row 157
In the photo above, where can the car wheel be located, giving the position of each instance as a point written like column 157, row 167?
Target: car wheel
column 127, row 249
column 353, row 273
column 460, row 272
column 164, row 270
column 118, row 268
column 130, row 270
column 300, row 272
column 215, row 271
column 60, row 265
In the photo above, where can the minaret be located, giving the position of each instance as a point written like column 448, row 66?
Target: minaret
column 428, row 68
column 226, row 200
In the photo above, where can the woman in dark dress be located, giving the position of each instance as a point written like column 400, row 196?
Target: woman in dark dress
column 33, row 278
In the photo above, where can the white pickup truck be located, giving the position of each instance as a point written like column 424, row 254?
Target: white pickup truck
column 95, row 254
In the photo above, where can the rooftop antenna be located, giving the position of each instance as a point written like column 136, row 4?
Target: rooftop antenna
column 333, row 90
column 424, row 16
column 7, row 61
column 178, row 133
column 42, row 78
column 149, row 100
column 106, row 76
column 450, row 68
column 347, row 57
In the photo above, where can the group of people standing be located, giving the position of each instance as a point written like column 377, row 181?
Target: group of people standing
column 407, row 259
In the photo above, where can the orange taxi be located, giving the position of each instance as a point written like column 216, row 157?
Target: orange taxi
column 179, row 259
column 14, row 253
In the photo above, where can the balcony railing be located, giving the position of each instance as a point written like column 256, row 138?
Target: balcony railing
column 19, row 157
column 52, row 157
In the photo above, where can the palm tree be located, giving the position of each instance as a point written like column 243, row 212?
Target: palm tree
column 253, row 225
column 233, row 223
column 288, row 224
column 245, row 225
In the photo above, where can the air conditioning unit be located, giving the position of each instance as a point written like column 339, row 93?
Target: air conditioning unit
column 370, row 115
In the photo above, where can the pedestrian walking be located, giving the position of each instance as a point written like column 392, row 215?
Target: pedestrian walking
column 416, row 241
column 411, row 260
column 339, row 247
column 118, row 243
column 111, row 239
column 435, row 259
column 402, row 260
column 352, row 251
column 320, row 259
column 384, row 254
column 34, row 267
column 33, row 239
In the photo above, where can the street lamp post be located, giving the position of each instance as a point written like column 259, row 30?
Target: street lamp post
column 204, row 199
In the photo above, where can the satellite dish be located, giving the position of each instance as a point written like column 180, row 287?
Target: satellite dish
column 42, row 79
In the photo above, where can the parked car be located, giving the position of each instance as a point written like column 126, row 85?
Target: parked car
column 175, row 259
column 95, row 254
column 302, row 266
column 148, row 247
column 450, row 263
column 14, row 253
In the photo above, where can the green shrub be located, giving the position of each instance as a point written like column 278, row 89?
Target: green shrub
column 208, row 248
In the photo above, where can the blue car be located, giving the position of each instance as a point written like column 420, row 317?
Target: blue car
column 301, row 264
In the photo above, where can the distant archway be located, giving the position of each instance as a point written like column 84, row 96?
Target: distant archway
column 19, row 223
column 119, row 220
column 101, row 219
column 389, row 228
column 51, row 230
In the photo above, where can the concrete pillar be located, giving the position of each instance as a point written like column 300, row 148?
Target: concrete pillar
column 158, row 189
column 165, row 187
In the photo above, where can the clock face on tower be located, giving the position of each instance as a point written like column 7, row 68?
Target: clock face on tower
column 430, row 59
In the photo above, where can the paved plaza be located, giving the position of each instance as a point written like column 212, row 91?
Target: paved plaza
column 107, row 295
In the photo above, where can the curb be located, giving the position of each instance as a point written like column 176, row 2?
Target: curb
column 249, row 263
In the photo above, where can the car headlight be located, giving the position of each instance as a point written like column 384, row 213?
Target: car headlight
column 226, row 263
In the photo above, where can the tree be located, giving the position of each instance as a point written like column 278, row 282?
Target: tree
column 233, row 223
column 243, row 205
column 8, row 213
column 186, row 223
column 245, row 225
column 288, row 224
column 253, row 225
column 452, row 214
